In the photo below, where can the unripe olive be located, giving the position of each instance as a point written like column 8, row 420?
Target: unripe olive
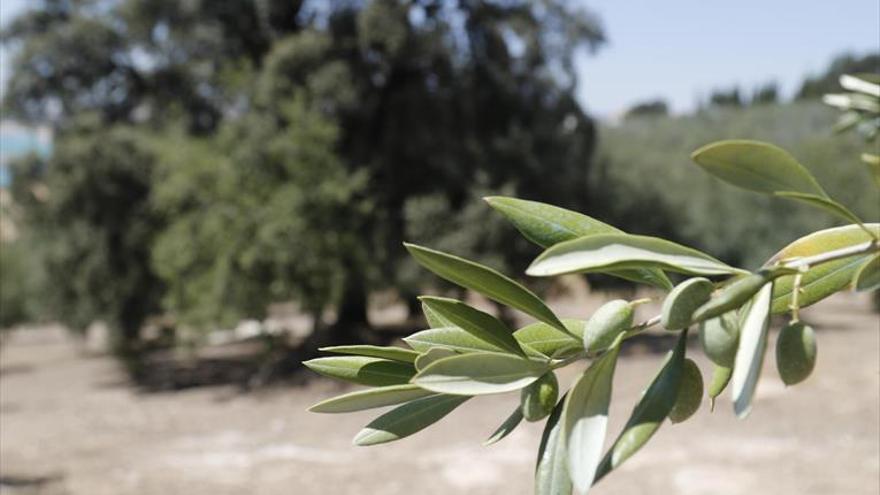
column 690, row 393
column 795, row 353
column 683, row 300
column 606, row 324
column 719, row 337
column 538, row 399
column 733, row 296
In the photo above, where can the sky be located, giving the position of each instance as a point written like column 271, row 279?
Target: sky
column 681, row 50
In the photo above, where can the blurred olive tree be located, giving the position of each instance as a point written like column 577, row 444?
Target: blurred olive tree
column 274, row 149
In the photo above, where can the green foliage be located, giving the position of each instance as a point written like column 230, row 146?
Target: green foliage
column 248, row 214
column 92, row 218
column 20, row 283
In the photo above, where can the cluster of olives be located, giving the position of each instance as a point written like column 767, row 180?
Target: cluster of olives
column 689, row 302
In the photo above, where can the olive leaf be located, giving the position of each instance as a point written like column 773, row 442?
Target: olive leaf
column 750, row 353
column 506, row 427
column 650, row 412
column 551, row 470
column 549, row 341
column 478, row 323
column 371, row 398
column 822, row 280
column 435, row 320
column 392, row 353
column 363, row 370
column 603, row 252
column 585, row 418
column 867, row 277
column 479, row 373
column 756, row 166
column 451, row 338
column 433, row 354
column 407, row 419
column 546, row 225
column 486, row 281
column 733, row 295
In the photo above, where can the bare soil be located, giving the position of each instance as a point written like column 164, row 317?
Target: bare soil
column 71, row 424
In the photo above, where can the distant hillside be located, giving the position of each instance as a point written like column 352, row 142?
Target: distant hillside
column 646, row 183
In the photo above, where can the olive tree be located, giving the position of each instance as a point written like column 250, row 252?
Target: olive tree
column 469, row 353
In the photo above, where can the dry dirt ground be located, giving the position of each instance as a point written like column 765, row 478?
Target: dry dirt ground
column 70, row 425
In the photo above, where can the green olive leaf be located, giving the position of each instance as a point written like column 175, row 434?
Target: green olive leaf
column 551, row 470
column 822, row 280
column 435, row 320
column 478, row 323
column 549, row 341
column 750, row 353
column 370, row 399
column 603, row 252
column 452, row 338
column 733, row 295
column 479, row 373
column 391, row 353
column 585, row 418
column 407, row 419
column 650, row 412
column 433, row 354
column 546, row 225
column 486, row 281
column 363, row 370
column 756, row 166
column 506, row 427
column 867, row 277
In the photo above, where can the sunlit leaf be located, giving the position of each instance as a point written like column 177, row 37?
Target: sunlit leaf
column 392, row 353
column 549, row 341
column 546, row 225
column 823, row 280
column 867, row 278
column 649, row 413
column 452, row 338
column 486, row 281
column 479, row 373
column 600, row 253
column 756, row 166
column 407, row 419
column 435, row 320
column 551, row 471
column 750, row 354
column 506, row 427
column 433, row 354
column 478, row 323
column 371, row 398
column 363, row 370
column 585, row 418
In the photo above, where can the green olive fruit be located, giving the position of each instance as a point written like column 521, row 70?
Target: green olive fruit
column 733, row 296
column 606, row 324
column 538, row 399
column 795, row 353
column 690, row 393
column 719, row 337
column 683, row 300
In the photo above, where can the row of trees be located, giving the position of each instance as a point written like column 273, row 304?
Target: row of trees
column 211, row 158
column 812, row 88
